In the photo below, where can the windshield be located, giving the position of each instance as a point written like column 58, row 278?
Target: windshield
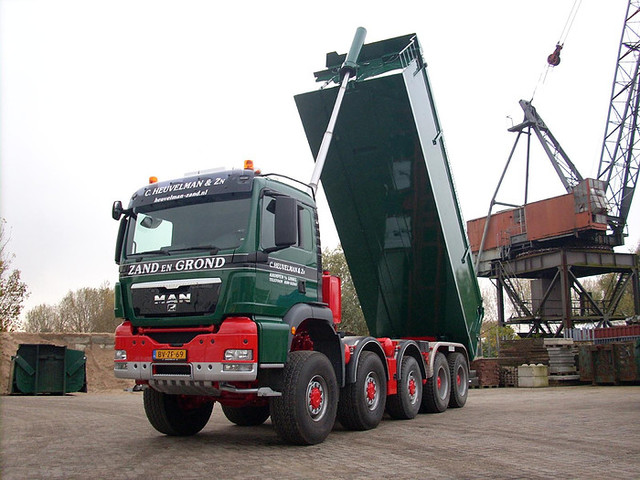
column 213, row 226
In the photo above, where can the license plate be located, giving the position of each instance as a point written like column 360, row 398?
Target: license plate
column 172, row 354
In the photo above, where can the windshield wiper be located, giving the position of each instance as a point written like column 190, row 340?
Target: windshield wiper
column 161, row 251
column 212, row 248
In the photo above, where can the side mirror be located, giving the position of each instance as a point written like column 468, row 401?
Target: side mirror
column 117, row 210
column 150, row 222
column 286, row 222
column 120, row 240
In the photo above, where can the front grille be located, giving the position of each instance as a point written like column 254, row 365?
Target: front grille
column 187, row 300
column 173, row 338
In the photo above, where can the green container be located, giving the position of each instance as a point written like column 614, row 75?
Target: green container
column 637, row 352
column 585, row 358
column 604, row 364
column 40, row 368
column 625, row 360
column 389, row 187
column 610, row 363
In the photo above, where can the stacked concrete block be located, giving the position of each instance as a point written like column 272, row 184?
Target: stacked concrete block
column 562, row 360
column 533, row 376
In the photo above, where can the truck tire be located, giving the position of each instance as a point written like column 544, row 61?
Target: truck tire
column 459, row 371
column 437, row 391
column 176, row 415
column 306, row 411
column 405, row 405
column 249, row 416
column 361, row 405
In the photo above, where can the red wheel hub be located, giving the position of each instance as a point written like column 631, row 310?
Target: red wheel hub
column 371, row 390
column 315, row 398
column 439, row 382
column 412, row 387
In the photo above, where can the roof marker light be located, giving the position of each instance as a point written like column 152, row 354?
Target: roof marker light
column 153, row 180
column 248, row 164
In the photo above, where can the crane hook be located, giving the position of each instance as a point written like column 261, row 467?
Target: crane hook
column 554, row 58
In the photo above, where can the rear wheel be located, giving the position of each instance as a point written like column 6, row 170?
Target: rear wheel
column 437, row 391
column 361, row 405
column 406, row 403
column 306, row 411
column 178, row 415
column 459, row 371
column 249, row 416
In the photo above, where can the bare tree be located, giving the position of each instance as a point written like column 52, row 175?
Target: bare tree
column 78, row 309
column 352, row 317
column 489, row 301
column 13, row 291
column 490, row 333
column 84, row 310
column 105, row 320
column 43, row 318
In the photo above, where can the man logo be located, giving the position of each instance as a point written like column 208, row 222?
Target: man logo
column 171, row 307
column 172, row 299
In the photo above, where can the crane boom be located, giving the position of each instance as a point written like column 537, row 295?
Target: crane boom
column 619, row 161
column 564, row 167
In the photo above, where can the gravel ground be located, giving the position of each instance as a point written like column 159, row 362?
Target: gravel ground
column 564, row 432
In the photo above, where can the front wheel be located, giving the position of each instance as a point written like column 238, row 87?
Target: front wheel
column 176, row 415
column 306, row 411
column 361, row 405
column 437, row 391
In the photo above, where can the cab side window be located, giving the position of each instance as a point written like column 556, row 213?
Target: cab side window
column 267, row 225
column 305, row 228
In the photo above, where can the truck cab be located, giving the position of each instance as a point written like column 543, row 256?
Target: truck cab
column 218, row 271
column 197, row 251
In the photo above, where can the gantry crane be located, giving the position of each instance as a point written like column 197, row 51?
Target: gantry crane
column 556, row 241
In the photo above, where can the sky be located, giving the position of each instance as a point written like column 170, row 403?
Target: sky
column 98, row 95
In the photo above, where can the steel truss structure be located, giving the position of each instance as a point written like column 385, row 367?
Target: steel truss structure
column 557, row 298
column 620, row 159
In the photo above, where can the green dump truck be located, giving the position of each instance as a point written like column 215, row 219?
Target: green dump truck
column 224, row 297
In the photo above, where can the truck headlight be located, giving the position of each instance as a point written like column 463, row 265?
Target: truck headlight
column 120, row 355
column 238, row 354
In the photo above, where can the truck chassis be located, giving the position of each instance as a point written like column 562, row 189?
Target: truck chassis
column 303, row 396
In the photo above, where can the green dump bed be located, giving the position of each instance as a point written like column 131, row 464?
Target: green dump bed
column 389, row 187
